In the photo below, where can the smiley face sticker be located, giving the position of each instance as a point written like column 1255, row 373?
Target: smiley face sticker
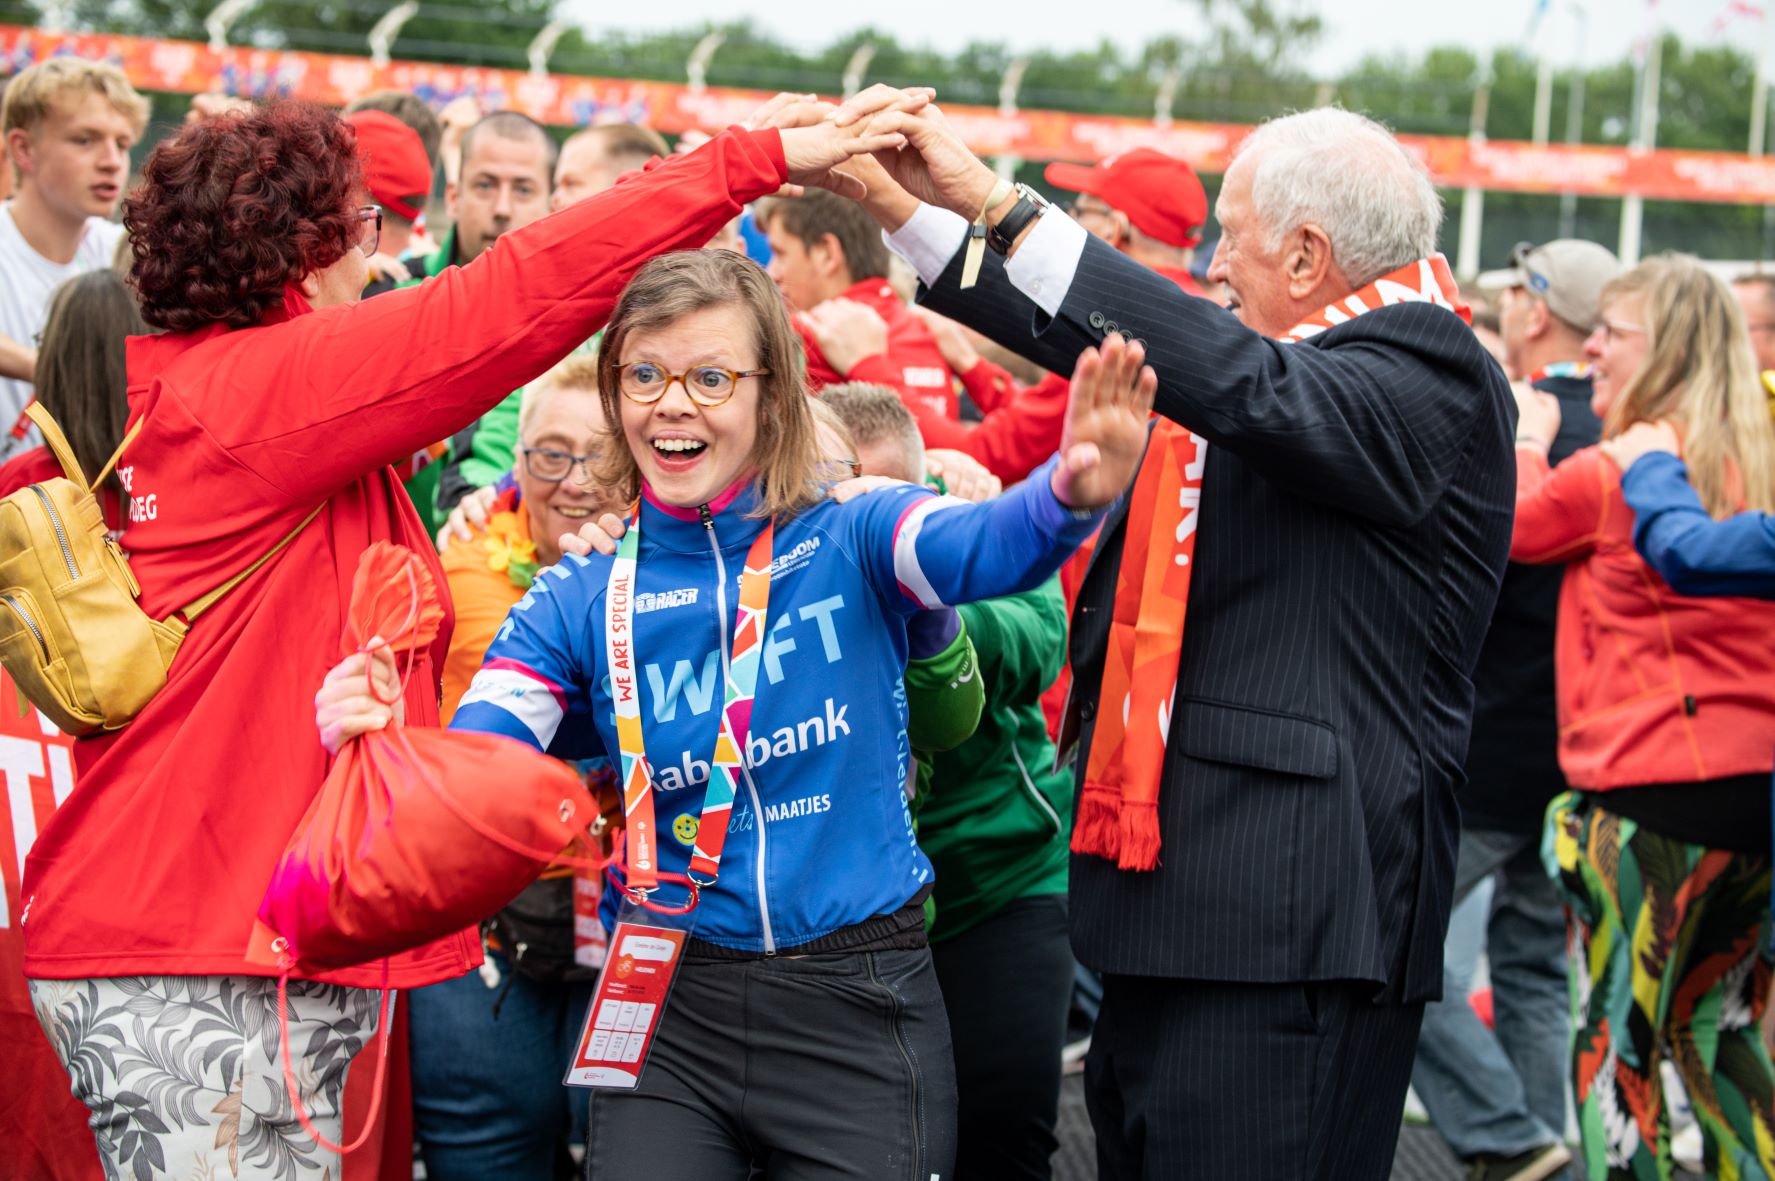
column 684, row 828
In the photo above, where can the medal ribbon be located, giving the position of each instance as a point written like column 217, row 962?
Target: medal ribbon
column 740, row 676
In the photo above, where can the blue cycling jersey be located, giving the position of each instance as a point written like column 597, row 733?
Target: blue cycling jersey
column 820, row 836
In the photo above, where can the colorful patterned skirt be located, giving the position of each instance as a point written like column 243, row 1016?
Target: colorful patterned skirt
column 1669, row 955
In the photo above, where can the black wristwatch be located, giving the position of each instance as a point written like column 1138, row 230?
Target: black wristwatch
column 1030, row 205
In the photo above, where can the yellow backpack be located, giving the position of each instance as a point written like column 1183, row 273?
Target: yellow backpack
column 73, row 638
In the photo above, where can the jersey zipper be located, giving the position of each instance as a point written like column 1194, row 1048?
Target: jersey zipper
column 708, row 518
column 31, row 624
column 61, row 535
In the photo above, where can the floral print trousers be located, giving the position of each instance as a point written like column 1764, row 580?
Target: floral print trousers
column 184, row 1077
column 1669, row 955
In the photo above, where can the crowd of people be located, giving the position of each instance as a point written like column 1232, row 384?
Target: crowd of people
column 981, row 610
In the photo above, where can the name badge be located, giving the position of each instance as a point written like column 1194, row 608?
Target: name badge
column 641, row 964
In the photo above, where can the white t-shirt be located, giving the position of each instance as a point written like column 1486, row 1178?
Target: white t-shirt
column 27, row 282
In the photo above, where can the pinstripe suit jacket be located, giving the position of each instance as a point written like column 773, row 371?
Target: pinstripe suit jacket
column 1355, row 524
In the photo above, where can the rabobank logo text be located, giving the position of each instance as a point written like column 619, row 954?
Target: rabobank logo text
column 827, row 726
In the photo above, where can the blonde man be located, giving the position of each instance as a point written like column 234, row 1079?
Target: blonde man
column 68, row 126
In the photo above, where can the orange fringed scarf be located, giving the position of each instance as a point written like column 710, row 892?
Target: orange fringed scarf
column 1118, row 815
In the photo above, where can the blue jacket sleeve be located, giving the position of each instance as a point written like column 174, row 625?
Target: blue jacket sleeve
column 533, row 685
column 1694, row 553
column 931, row 551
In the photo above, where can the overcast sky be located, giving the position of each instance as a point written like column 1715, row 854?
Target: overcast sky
column 1353, row 27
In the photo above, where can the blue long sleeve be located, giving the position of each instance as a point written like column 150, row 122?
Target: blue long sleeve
column 1694, row 553
column 941, row 551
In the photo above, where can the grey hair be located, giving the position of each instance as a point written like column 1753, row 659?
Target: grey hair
column 1346, row 174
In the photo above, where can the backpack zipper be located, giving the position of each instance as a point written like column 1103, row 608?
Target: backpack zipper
column 61, row 536
column 770, row 941
column 31, row 624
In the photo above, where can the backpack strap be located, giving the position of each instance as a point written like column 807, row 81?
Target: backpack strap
column 58, row 446
column 198, row 607
column 128, row 438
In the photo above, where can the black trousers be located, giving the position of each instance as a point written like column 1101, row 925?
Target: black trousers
column 1007, row 983
column 815, row 1068
column 1287, row 1082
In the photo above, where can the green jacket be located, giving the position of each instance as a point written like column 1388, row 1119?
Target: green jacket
column 998, row 817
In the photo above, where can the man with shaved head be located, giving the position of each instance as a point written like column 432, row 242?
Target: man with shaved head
column 1273, row 647
column 592, row 159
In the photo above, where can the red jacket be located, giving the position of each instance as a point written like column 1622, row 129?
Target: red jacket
column 912, row 365
column 1653, row 687
column 156, row 863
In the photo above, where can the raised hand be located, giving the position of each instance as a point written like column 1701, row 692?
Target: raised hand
column 814, row 144
column 1106, row 423
column 935, row 166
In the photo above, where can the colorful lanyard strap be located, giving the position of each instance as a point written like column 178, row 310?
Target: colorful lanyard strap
column 741, row 681
column 1573, row 370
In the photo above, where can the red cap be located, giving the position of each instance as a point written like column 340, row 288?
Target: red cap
column 394, row 160
column 1161, row 194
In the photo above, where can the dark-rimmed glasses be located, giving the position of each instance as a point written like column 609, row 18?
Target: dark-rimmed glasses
column 371, row 237
column 552, row 466
column 646, row 382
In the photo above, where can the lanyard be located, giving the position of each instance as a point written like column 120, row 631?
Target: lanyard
column 1575, row 370
column 740, row 679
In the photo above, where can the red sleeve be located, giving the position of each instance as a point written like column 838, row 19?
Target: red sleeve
column 988, row 384
column 878, row 369
column 1560, row 512
column 1011, row 440
column 354, row 388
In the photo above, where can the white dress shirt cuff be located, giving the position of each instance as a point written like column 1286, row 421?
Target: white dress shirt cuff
column 1044, row 265
column 928, row 240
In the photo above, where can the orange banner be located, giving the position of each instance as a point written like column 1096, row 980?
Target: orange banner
column 565, row 100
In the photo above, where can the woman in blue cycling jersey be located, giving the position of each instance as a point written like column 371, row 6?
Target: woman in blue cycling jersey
column 740, row 660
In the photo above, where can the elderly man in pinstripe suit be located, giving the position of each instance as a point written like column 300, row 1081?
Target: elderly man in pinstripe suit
column 1265, row 973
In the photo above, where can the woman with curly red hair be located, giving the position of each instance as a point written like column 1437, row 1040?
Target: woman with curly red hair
column 269, row 410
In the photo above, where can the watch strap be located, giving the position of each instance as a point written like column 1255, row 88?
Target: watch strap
column 1030, row 205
